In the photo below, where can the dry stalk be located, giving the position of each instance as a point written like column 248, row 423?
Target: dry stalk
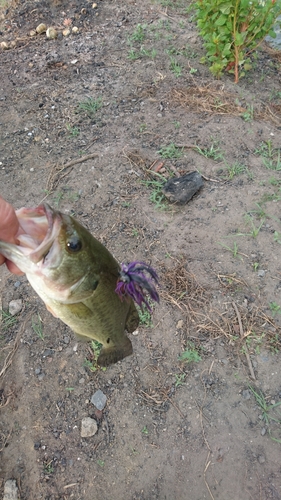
column 9, row 358
column 214, row 100
column 58, row 172
column 245, row 346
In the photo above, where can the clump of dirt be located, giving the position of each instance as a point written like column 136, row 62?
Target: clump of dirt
column 95, row 122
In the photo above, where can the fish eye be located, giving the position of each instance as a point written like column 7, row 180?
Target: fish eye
column 74, row 244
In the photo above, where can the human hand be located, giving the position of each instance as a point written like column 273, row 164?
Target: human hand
column 9, row 227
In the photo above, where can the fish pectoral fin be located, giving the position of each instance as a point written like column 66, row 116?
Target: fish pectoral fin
column 51, row 311
column 110, row 355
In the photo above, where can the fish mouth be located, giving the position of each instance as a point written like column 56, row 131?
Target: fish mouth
column 38, row 234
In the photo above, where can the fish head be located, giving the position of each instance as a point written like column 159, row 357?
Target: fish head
column 54, row 251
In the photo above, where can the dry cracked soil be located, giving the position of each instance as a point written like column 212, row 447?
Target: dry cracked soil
column 94, row 122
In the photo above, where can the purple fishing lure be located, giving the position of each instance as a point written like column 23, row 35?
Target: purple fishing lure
column 138, row 280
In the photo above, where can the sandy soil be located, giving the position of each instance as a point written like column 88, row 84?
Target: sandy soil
column 172, row 429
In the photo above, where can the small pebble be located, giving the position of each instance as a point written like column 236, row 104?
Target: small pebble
column 89, row 427
column 263, row 431
column 41, row 376
column 99, row 399
column 15, row 306
column 41, row 28
column 37, row 371
column 261, row 459
column 66, row 32
column 246, row 394
column 11, row 490
column 261, row 273
column 51, row 33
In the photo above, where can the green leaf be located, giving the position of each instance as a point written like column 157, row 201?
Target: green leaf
column 239, row 39
column 221, row 21
column 272, row 34
column 248, row 66
column 225, row 9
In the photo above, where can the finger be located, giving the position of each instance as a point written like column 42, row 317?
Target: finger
column 13, row 268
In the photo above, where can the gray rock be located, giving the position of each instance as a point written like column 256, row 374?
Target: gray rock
column 15, row 306
column 89, row 427
column 10, row 490
column 261, row 459
column 99, row 399
column 261, row 273
column 246, row 394
column 181, row 189
column 263, row 431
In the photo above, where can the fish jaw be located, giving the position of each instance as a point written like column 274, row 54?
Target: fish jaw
column 39, row 229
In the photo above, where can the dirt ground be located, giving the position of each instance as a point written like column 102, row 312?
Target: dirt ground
column 128, row 97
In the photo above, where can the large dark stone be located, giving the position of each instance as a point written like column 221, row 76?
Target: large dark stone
column 181, row 189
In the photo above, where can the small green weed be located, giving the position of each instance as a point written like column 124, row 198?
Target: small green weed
column 273, row 163
column 267, row 411
column 145, row 431
column 255, row 266
column 277, row 237
column 254, row 341
column 8, row 320
column 260, row 212
column 270, row 197
column 180, row 379
column 134, row 54
column 233, row 250
column 48, row 467
column 37, row 326
column 100, row 463
column 139, row 33
column 72, row 131
column 275, row 308
column 274, row 182
column 171, row 151
column 91, row 106
column 145, row 317
column 92, row 364
column 235, row 169
column 57, row 198
column 255, row 230
column 214, row 152
column 175, row 67
column 157, row 196
column 248, row 115
column 265, row 149
column 190, row 354
column 142, row 127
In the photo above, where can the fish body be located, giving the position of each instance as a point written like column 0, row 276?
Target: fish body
column 76, row 277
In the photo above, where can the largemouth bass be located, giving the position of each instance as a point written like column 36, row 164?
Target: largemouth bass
column 79, row 280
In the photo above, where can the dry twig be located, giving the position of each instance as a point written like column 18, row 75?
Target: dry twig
column 245, row 346
column 58, row 172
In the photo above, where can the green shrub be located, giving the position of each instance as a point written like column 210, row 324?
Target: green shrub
column 232, row 29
